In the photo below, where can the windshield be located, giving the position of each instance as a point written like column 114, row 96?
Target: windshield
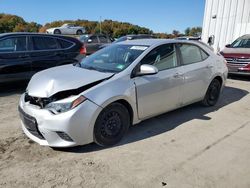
column 114, row 58
column 241, row 43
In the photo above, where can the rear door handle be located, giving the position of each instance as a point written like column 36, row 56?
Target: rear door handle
column 178, row 75
column 23, row 56
column 210, row 66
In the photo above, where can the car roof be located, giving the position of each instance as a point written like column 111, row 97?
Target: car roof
column 148, row 42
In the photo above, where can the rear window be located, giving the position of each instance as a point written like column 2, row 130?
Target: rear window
column 44, row 43
column 65, row 44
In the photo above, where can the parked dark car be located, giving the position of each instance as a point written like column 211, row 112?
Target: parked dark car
column 24, row 54
column 130, row 37
column 93, row 42
column 237, row 56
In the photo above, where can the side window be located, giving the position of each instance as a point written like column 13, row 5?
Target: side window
column 204, row 55
column 44, row 43
column 94, row 39
column 163, row 57
column 14, row 44
column 190, row 54
column 103, row 39
column 64, row 44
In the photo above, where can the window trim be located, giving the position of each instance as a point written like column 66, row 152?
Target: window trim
column 16, row 52
column 191, row 44
column 30, row 45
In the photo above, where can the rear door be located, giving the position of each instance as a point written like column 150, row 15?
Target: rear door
column 160, row 92
column 197, row 72
column 15, row 63
column 45, row 53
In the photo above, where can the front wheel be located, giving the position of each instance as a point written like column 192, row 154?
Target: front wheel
column 213, row 93
column 111, row 124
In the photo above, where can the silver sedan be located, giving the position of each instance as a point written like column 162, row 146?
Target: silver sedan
column 98, row 99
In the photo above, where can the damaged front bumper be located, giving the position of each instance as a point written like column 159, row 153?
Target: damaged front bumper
column 71, row 128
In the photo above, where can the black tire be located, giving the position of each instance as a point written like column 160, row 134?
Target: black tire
column 213, row 93
column 79, row 32
column 57, row 31
column 111, row 124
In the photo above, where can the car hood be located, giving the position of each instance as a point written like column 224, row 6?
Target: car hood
column 51, row 81
column 245, row 52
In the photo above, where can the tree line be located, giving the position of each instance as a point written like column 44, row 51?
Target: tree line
column 13, row 23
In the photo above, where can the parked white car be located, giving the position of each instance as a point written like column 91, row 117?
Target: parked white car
column 120, row 85
column 67, row 29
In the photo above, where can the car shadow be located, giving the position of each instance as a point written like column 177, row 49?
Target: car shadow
column 12, row 88
column 239, row 77
column 168, row 121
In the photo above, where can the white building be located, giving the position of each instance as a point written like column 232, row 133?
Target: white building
column 226, row 20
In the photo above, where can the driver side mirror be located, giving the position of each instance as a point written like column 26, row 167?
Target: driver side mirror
column 147, row 70
column 228, row 46
column 89, row 40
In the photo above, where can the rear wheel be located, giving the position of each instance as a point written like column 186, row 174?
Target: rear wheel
column 111, row 124
column 213, row 93
column 57, row 31
column 79, row 32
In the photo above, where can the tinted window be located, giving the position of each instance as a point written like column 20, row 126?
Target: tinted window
column 44, row 43
column 163, row 57
column 103, row 39
column 94, row 39
column 13, row 44
column 190, row 54
column 65, row 44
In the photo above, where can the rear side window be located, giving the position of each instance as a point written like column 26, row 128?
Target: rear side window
column 191, row 54
column 14, row 44
column 65, row 44
column 44, row 43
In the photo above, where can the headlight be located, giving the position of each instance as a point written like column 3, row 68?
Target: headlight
column 60, row 107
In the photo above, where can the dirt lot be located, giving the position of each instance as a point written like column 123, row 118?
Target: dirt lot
column 190, row 147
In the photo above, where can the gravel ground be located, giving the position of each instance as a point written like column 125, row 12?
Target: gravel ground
column 190, row 147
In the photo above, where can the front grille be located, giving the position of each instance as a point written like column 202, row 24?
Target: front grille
column 30, row 123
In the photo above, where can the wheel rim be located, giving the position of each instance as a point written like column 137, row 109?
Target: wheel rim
column 214, row 92
column 111, row 124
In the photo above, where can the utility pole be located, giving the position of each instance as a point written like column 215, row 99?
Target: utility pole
column 100, row 24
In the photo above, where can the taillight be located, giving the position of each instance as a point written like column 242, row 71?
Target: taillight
column 83, row 50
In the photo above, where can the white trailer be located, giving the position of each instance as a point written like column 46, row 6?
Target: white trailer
column 225, row 21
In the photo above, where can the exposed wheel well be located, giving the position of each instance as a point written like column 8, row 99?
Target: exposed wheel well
column 128, row 106
column 219, row 79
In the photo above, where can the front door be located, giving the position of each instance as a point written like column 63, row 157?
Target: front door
column 159, row 93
